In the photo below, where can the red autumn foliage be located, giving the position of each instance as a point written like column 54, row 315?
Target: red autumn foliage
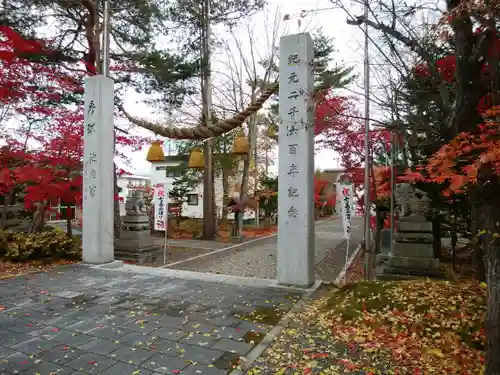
column 341, row 129
column 323, row 197
column 457, row 163
column 44, row 158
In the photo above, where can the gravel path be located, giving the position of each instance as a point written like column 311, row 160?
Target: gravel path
column 260, row 260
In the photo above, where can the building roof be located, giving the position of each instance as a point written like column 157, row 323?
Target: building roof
column 134, row 177
column 173, row 158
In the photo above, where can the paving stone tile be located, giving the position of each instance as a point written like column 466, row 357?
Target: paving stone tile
column 163, row 346
column 232, row 346
column 108, row 333
column 67, row 294
column 199, row 339
column 99, row 346
column 72, row 339
column 133, row 356
column 164, row 364
column 229, row 333
column 4, row 351
column 143, row 325
column 125, row 369
column 198, row 354
column 199, row 327
column 170, row 333
column 61, row 321
column 136, row 339
column 16, row 362
column 49, row 332
column 90, row 363
column 45, row 368
column 83, row 327
column 29, row 315
column 25, row 327
column 9, row 339
column 34, row 346
column 224, row 321
column 61, row 354
column 116, row 321
column 170, row 321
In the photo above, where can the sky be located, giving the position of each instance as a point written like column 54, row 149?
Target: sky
column 348, row 41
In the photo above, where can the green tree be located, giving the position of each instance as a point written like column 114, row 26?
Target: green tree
column 183, row 185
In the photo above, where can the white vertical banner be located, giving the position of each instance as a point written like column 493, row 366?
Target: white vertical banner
column 346, row 202
column 160, row 200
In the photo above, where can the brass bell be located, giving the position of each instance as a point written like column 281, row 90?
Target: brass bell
column 155, row 152
column 240, row 146
column 196, row 159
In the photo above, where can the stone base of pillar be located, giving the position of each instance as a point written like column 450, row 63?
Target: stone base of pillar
column 138, row 247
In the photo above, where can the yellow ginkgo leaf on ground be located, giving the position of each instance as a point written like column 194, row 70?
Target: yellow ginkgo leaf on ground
column 434, row 351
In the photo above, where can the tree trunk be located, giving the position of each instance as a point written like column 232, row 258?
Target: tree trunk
column 225, row 195
column 69, row 228
column 489, row 195
column 436, row 235
column 39, row 217
column 6, row 203
column 478, row 259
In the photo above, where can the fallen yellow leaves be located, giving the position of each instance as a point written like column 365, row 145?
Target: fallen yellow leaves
column 408, row 327
column 10, row 269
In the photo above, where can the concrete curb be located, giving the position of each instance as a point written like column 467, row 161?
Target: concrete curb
column 256, row 352
column 201, row 276
column 230, row 250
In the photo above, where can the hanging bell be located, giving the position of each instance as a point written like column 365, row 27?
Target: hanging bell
column 196, row 159
column 240, row 146
column 155, row 152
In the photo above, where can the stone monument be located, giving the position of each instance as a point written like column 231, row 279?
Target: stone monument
column 296, row 162
column 412, row 253
column 98, row 171
column 136, row 243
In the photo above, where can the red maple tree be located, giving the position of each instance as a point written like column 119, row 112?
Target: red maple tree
column 44, row 154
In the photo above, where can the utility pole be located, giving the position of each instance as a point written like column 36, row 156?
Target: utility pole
column 104, row 70
column 208, row 198
column 256, row 176
column 105, row 38
column 367, row 151
column 393, row 172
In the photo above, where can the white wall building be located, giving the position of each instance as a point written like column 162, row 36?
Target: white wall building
column 193, row 207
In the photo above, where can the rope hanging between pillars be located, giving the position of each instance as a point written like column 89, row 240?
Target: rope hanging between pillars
column 202, row 132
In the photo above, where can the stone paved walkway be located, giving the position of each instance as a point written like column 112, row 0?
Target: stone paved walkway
column 78, row 320
column 260, row 260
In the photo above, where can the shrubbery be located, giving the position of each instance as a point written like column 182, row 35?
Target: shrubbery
column 191, row 226
column 15, row 246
